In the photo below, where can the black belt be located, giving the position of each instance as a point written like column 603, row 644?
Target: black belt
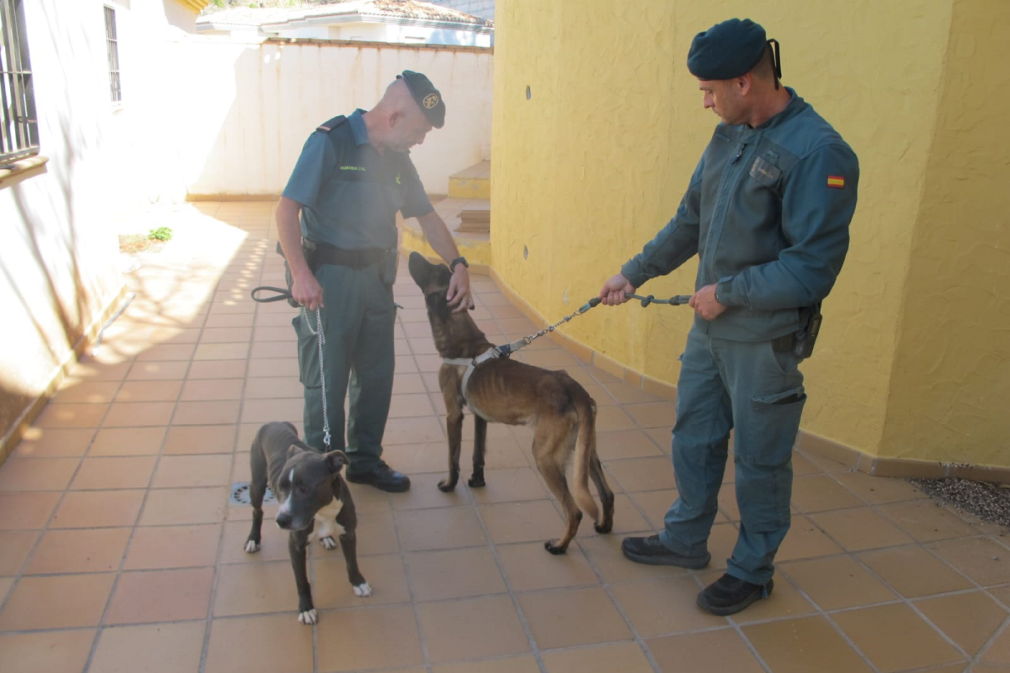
column 324, row 253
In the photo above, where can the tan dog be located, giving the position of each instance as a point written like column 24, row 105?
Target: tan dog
column 500, row 390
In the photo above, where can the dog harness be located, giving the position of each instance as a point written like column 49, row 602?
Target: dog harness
column 471, row 364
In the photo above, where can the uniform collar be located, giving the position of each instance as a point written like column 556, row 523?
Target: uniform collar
column 358, row 130
column 796, row 105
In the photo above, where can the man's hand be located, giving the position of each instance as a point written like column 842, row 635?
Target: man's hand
column 307, row 291
column 459, row 295
column 615, row 289
column 705, row 304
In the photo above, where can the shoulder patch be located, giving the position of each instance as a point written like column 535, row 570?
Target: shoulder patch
column 836, row 182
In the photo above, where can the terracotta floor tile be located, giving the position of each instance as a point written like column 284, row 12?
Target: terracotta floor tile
column 127, row 442
column 274, row 643
column 655, row 505
column 860, row 529
column 160, row 596
column 805, row 540
column 105, row 473
column 968, row 619
column 200, row 390
column 981, row 559
column 158, row 371
column 193, row 471
column 179, row 506
column 98, row 509
column 471, row 628
column 271, row 367
column 627, row 518
column 1002, row 594
column 273, row 541
column 999, row 651
column 412, row 459
column 642, row 474
column 15, row 546
column 529, row 521
column 24, row 511
column 624, row 657
column 653, row 414
column 278, row 333
column 804, row 645
column 89, row 368
column 254, row 588
column 410, row 405
column 821, row 492
column 664, row 606
column 199, row 439
column 454, row 573
column 36, row 474
column 718, row 651
column 625, row 444
column 355, row 639
column 81, row 551
column 413, row 431
column 530, row 567
column 879, row 490
column 77, row 391
column 219, row 369
column 331, row 587
column 225, row 351
column 423, row 493
column 81, row 600
column 152, row 648
column 52, row 652
column 927, row 521
column 173, row 547
column 569, row 617
column 407, row 383
column 803, row 466
column 377, row 534
column 227, row 334
column 911, row 642
column 207, row 413
column 438, row 528
column 138, row 414
column 663, row 438
column 613, row 418
column 271, row 388
column 149, row 391
column 914, row 572
column 65, row 416
column 167, row 353
column 836, row 582
column 53, row 443
column 523, row 664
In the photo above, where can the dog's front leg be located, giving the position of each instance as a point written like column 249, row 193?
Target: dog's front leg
column 479, row 445
column 348, row 520
column 454, row 430
column 298, row 542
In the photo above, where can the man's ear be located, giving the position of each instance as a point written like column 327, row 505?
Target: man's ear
column 395, row 119
column 293, row 449
column 335, row 460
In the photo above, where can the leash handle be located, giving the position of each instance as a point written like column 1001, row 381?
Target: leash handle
column 280, row 294
column 676, row 300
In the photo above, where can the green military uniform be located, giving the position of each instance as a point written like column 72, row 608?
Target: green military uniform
column 349, row 195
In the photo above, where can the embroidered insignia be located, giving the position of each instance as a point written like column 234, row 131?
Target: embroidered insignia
column 398, row 179
column 836, row 181
column 430, row 101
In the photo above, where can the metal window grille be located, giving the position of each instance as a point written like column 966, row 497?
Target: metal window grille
column 112, row 47
column 19, row 136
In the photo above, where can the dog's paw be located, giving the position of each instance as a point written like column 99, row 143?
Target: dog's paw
column 554, row 549
column 329, row 542
column 476, row 482
column 446, row 486
column 308, row 617
column 252, row 546
column 605, row 528
column 362, row 590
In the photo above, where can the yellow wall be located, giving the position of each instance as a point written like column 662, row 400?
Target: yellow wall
column 596, row 161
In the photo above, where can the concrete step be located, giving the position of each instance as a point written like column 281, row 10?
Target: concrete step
column 471, row 183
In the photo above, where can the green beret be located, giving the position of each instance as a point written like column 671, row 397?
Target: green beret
column 426, row 95
column 727, row 50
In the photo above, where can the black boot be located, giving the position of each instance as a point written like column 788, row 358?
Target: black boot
column 729, row 595
column 651, row 551
column 382, row 477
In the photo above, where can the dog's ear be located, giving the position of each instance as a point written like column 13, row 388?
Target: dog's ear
column 437, row 305
column 335, row 460
column 293, row 449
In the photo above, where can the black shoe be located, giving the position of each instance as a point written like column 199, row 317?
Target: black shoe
column 382, row 477
column 653, row 552
column 729, row 595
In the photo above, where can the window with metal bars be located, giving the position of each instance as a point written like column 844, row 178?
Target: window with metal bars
column 112, row 47
column 19, row 135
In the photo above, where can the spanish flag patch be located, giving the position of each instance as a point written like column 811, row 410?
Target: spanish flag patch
column 836, row 181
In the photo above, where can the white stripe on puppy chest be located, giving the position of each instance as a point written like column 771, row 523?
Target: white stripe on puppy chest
column 326, row 519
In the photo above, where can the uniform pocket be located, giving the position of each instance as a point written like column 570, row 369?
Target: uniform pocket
column 776, row 419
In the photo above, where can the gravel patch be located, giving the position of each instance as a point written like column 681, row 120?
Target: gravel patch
column 989, row 502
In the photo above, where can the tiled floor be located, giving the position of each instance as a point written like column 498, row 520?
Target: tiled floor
column 119, row 550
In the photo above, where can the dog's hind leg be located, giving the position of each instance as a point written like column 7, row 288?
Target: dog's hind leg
column 257, row 490
column 479, row 446
column 606, row 495
column 550, row 448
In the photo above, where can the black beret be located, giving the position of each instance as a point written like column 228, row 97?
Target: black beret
column 727, row 50
column 427, row 96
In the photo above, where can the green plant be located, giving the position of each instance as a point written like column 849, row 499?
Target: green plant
column 160, row 234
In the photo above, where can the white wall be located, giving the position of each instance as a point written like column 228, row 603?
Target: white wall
column 235, row 115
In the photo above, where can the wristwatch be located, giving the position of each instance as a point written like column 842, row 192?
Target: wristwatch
column 458, row 260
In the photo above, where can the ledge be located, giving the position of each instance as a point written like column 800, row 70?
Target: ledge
column 22, row 168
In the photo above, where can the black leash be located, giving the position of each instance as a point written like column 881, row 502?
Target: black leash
column 675, row 300
column 281, row 294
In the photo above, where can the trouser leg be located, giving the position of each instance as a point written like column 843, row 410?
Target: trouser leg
column 768, row 397
column 373, row 365
column 700, row 440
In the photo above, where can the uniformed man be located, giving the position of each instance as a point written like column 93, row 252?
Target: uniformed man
column 767, row 211
column 336, row 221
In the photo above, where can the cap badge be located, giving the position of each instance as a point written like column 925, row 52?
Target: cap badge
column 430, row 101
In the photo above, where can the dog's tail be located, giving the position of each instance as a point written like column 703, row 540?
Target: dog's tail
column 585, row 450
